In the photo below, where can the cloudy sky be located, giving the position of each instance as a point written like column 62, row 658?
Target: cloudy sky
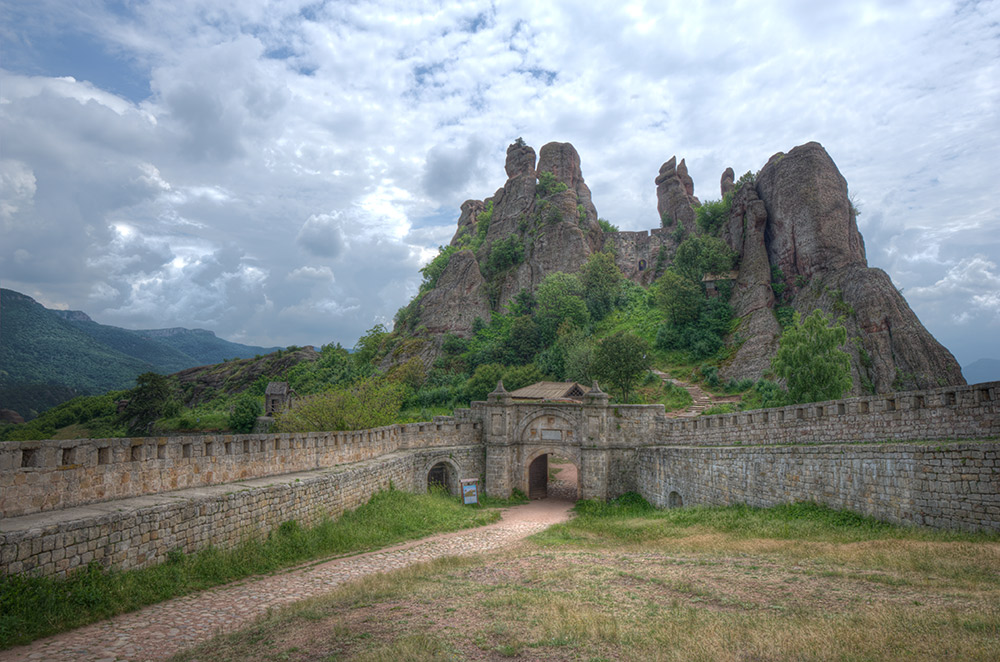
column 278, row 172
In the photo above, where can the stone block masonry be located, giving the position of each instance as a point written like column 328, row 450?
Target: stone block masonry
column 38, row 476
column 951, row 485
column 140, row 531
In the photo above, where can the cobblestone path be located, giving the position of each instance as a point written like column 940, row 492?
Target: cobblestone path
column 161, row 630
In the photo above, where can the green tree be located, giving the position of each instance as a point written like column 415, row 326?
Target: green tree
column 145, row 403
column 483, row 381
column 560, row 299
column 524, row 341
column 620, row 361
column 699, row 255
column 244, row 414
column 602, row 281
column 369, row 346
column 678, row 297
column 810, row 360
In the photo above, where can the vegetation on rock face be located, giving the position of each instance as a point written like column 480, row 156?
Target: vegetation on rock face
column 810, row 360
column 713, row 214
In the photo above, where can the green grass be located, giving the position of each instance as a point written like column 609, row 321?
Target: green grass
column 630, row 519
column 35, row 607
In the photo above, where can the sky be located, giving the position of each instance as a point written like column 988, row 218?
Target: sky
column 278, row 172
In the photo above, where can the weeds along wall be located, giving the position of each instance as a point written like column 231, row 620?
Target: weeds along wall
column 37, row 476
column 943, row 485
column 141, row 531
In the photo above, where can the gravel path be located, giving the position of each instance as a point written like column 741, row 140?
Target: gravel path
column 161, row 630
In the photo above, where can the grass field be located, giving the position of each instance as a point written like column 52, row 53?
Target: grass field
column 625, row 582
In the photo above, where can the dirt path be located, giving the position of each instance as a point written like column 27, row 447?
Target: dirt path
column 161, row 630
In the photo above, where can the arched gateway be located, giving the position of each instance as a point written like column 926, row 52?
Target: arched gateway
column 520, row 437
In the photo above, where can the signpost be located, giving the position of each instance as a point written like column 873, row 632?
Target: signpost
column 470, row 490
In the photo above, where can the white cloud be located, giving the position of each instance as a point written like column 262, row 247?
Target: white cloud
column 374, row 120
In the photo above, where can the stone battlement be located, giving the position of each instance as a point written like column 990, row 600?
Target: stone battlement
column 38, row 476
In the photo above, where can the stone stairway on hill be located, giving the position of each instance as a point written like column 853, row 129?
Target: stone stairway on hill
column 701, row 400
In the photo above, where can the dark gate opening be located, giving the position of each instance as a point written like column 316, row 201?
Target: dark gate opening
column 440, row 477
column 538, row 478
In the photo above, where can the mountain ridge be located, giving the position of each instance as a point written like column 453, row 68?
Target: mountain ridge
column 48, row 356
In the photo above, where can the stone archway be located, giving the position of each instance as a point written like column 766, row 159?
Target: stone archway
column 552, row 472
column 544, row 434
column 443, row 472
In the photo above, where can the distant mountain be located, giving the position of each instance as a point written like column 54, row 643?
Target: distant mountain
column 983, row 370
column 48, row 356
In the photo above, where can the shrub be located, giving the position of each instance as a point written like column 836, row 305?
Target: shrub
column 713, row 214
column 244, row 414
column 548, row 185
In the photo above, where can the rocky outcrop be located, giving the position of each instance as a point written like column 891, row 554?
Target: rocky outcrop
column 811, row 225
column 467, row 219
column 726, row 184
column 10, row 416
column 890, row 349
column 458, row 298
column 794, row 222
column 675, row 201
column 752, row 297
column 810, row 233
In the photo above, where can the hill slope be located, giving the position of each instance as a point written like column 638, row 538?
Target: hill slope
column 48, row 356
column 982, row 370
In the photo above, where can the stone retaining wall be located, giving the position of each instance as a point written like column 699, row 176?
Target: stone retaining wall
column 954, row 485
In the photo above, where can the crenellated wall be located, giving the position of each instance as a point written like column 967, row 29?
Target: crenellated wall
column 39, row 476
column 954, row 412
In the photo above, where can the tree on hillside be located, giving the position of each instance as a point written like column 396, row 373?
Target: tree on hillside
column 620, row 361
column 560, row 299
column 602, row 281
column 810, row 360
column 146, row 403
column 679, row 298
column 244, row 413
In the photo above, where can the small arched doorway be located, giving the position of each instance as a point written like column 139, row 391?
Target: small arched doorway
column 674, row 500
column 553, row 476
column 443, row 475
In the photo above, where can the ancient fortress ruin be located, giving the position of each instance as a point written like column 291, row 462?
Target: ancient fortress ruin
column 927, row 457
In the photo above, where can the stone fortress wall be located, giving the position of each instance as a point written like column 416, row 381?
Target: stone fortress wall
column 38, row 476
column 128, row 502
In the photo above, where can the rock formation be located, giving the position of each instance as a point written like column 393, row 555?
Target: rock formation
column 811, row 242
column 793, row 227
column 675, row 201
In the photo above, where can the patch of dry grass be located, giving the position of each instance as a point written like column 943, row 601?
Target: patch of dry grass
column 694, row 593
